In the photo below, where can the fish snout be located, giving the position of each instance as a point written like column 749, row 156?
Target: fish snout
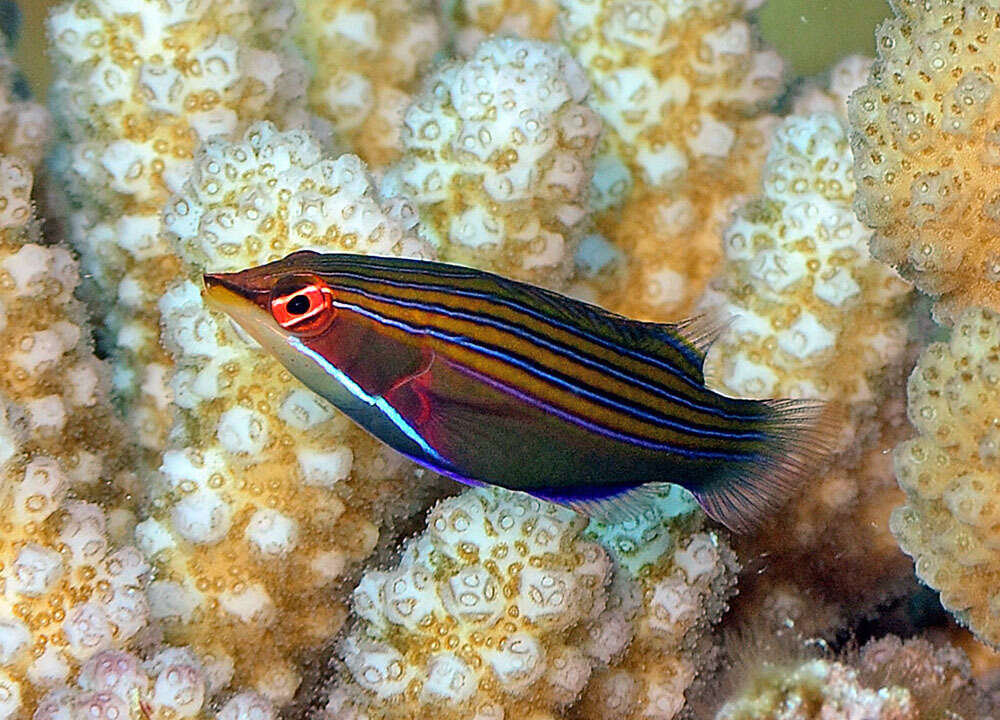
column 240, row 284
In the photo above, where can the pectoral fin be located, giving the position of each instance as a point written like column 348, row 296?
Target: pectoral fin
column 374, row 359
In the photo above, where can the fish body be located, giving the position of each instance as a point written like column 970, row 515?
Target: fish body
column 492, row 381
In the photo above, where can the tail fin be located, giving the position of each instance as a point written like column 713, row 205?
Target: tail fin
column 803, row 435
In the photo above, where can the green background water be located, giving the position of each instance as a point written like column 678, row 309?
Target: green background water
column 810, row 34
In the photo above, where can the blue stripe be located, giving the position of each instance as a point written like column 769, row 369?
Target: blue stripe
column 560, row 349
column 596, row 339
column 630, row 439
column 555, row 379
column 376, row 400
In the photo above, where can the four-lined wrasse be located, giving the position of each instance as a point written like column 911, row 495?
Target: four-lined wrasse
column 492, row 381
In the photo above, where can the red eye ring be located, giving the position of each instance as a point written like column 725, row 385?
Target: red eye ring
column 308, row 309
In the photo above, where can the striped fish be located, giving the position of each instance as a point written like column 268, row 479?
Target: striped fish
column 492, row 381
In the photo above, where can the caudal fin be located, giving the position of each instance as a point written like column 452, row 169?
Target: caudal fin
column 802, row 436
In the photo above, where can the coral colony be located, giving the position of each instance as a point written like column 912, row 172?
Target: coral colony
column 187, row 532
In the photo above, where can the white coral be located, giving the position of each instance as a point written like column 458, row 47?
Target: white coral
column 680, row 85
column 367, row 58
column 498, row 156
column 138, row 86
column 814, row 315
column 273, row 496
column 482, row 599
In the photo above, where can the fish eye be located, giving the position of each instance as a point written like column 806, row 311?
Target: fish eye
column 299, row 304
column 303, row 305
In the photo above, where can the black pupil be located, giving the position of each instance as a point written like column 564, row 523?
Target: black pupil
column 298, row 305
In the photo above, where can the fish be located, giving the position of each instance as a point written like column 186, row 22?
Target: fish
column 491, row 381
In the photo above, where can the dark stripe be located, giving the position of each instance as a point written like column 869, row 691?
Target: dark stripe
column 490, row 297
column 558, row 379
column 554, row 346
column 340, row 264
column 568, row 353
column 690, row 453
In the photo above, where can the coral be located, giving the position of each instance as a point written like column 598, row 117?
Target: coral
column 479, row 610
column 800, row 284
column 47, row 365
column 949, row 472
column 201, row 561
column 65, row 593
column 498, row 158
column 814, row 316
column 172, row 683
column 475, row 20
column 139, row 85
column 889, row 679
column 71, row 586
column 926, row 141
column 503, row 608
column 821, row 689
column 939, row 678
column 843, row 78
column 672, row 586
column 680, row 86
column 367, row 56
column 268, row 496
column 68, row 592
column 24, row 125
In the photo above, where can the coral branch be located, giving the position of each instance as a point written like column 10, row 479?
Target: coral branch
column 927, row 150
column 268, row 495
column 498, row 158
column 680, row 87
column 367, row 56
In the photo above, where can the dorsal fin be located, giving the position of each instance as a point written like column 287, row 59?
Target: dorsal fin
column 703, row 329
column 682, row 344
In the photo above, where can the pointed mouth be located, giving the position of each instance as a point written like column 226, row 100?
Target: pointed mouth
column 215, row 283
column 224, row 293
column 246, row 308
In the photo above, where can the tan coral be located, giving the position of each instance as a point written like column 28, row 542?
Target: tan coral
column 672, row 585
column 475, row 20
column 831, row 96
column 939, row 677
column 479, row 612
column 819, row 690
column 47, row 364
column 67, row 592
column 801, row 287
column 888, row 679
column 926, row 140
column 24, row 125
column 503, row 608
column 63, row 595
column 268, row 496
column 680, row 87
column 71, row 585
column 949, row 473
column 138, row 86
column 815, row 317
column 367, row 57
column 498, row 159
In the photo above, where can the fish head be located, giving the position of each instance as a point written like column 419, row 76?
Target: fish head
column 288, row 308
column 278, row 300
